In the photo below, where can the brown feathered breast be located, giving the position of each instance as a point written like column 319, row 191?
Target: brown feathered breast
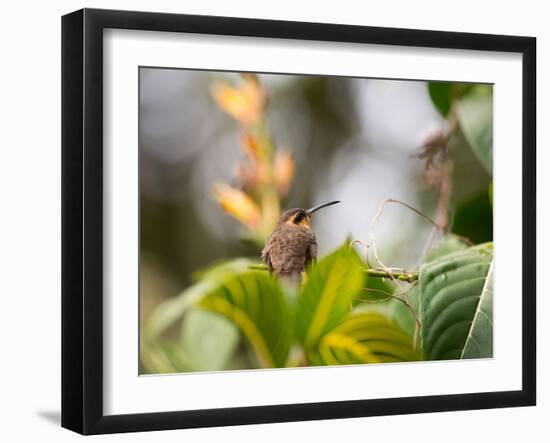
column 289, row 249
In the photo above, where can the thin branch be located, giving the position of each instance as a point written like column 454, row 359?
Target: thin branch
column 412, row 208
column 438, row 226
column 376, row 291
column 258, row 267
column 390, row 273
column 372, row 239
column 366, row 246
column 393, row 273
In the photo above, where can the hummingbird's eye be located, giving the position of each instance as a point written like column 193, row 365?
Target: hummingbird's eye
column 299, row 217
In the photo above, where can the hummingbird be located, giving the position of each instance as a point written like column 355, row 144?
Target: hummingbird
column 292, row 245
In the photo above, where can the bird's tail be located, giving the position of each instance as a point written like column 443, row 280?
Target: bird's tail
column 291, row 279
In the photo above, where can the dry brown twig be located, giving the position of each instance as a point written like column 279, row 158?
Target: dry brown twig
column 372, row 237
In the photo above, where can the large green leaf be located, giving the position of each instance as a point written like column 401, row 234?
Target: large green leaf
column 448, row 244
column 256, row 304
column 208, row 340
column 172, row 310
column 328, row 294
column 364, row 337
column 480, row 337
column 475, row 116
column 405, row 316
column 453, row 292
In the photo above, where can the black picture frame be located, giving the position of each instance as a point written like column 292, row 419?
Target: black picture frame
column 82, row 220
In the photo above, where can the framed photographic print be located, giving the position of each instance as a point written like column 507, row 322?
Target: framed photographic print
column 269, row 221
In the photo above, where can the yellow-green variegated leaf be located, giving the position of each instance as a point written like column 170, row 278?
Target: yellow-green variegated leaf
column 456, row 305
column 328, row 294
column 255, row 303
column 364, row 338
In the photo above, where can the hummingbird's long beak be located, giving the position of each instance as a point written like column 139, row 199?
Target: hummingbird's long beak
column 324, row 205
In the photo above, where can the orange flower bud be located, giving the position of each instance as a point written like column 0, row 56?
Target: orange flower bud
column 251, row 146
column 245, row 103
column 248, row 176
column 237, row 204
column 249, row 77
column 283, row 171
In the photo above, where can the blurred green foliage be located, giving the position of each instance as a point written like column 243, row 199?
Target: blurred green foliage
column 444, row 94
column 475, row 116
column 478, row 209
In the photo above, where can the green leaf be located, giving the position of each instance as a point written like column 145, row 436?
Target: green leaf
column 172, row 310
column 208, row 340
column 256, row 304
column 475, row 116
column 479, row 343
column 375, row 290
column 453, row 292
column 399, row 311
column 328, row 294
column 474, row 218
column 448, row 244
column 439, row 93
column 221, row 268
column 364, row 338
column 443, row 94
column 163, row 357
column 481, row 89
